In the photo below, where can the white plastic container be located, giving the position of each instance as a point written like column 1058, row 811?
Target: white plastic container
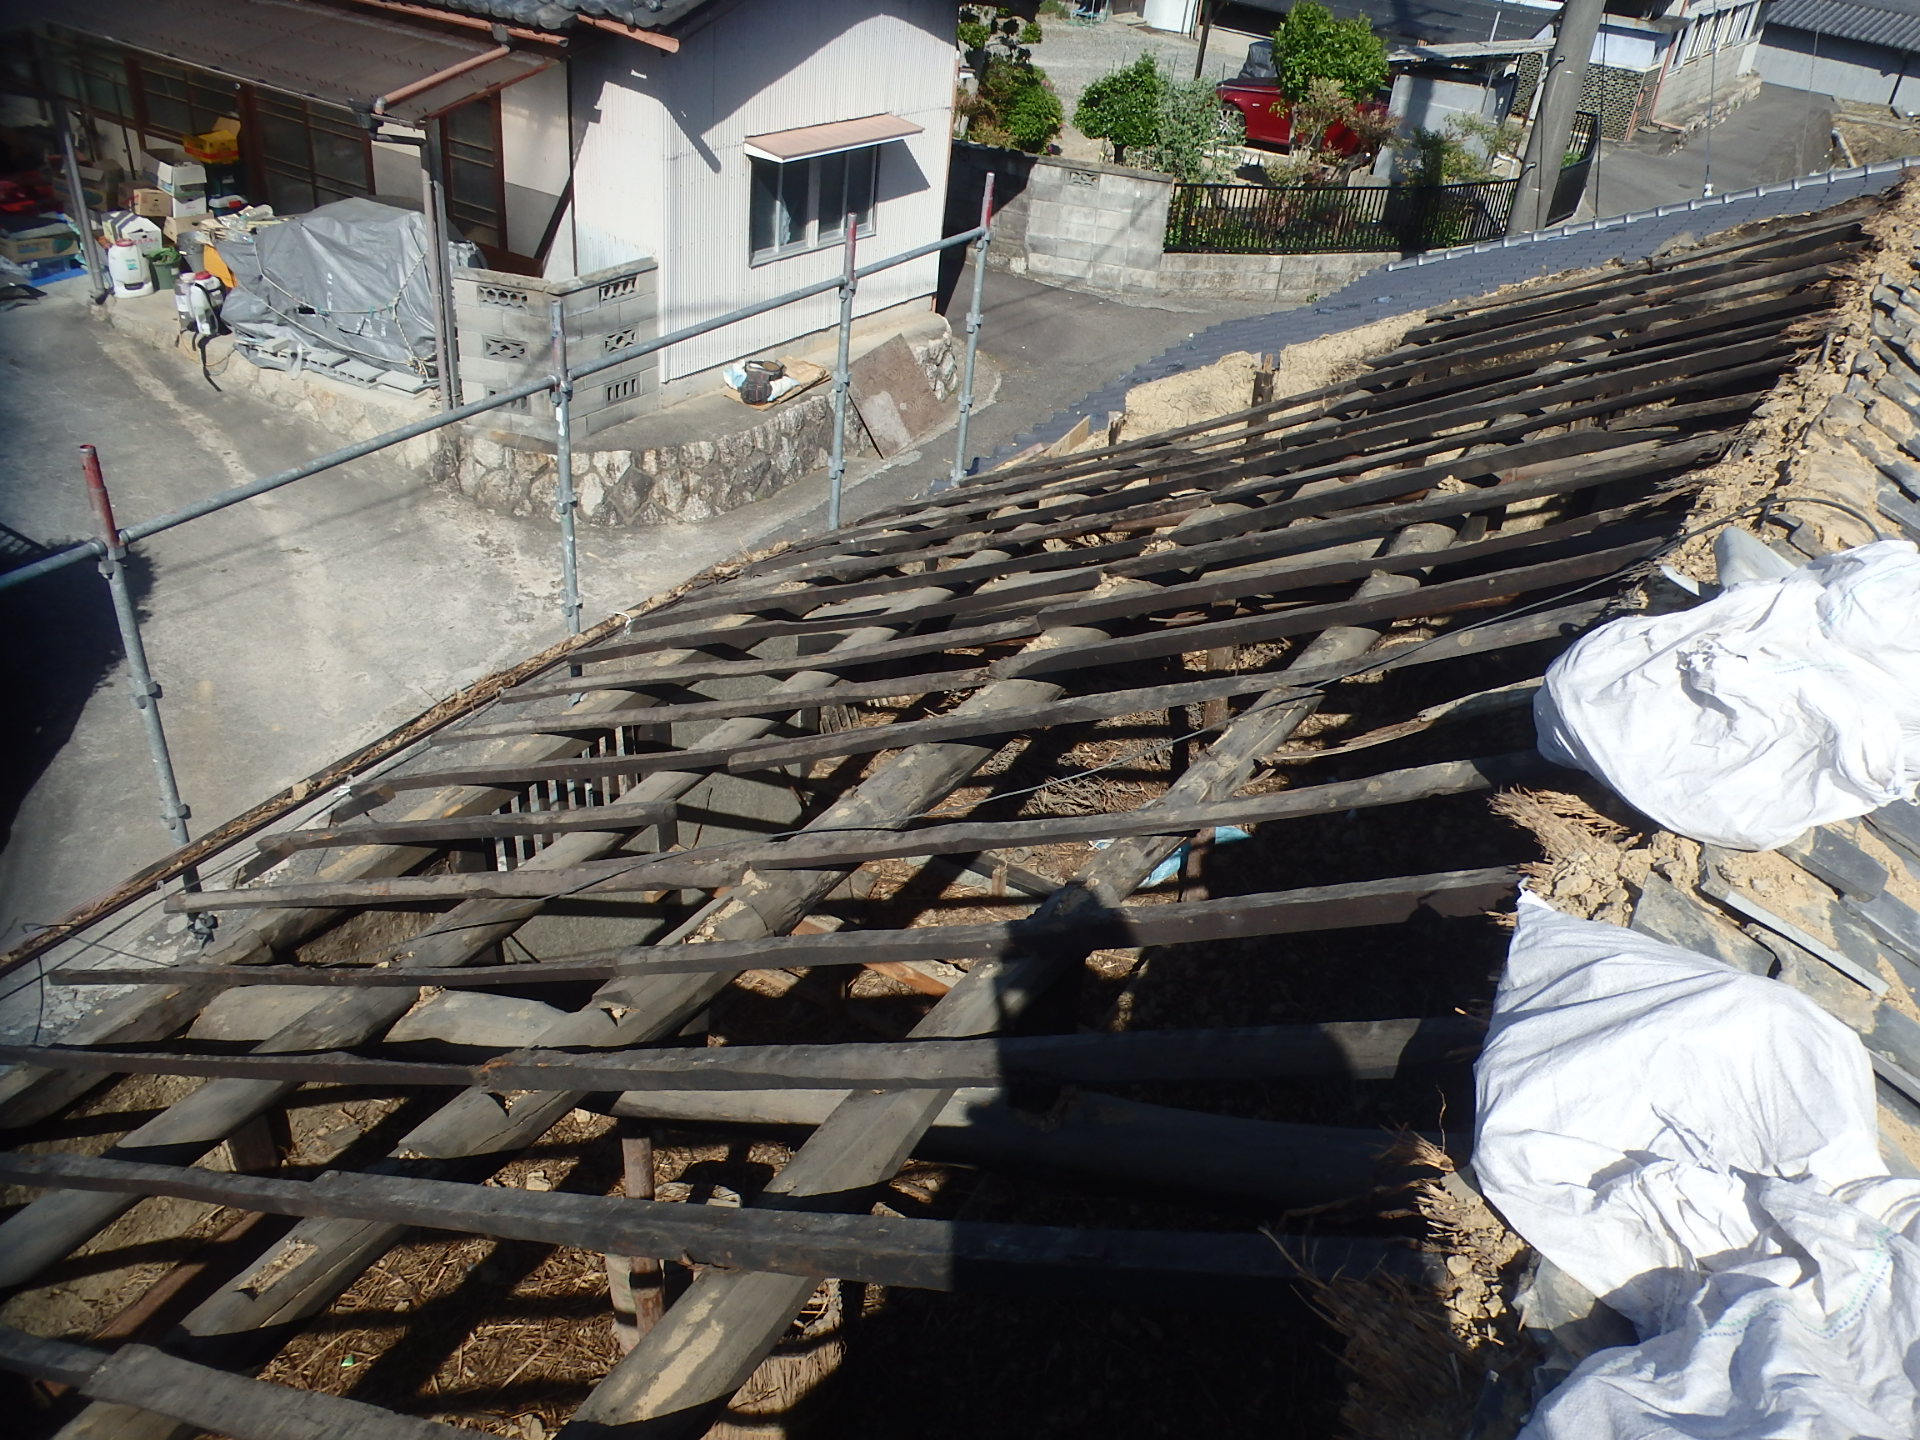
column 128, row 267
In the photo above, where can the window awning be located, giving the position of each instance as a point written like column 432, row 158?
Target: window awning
column 311, row 51
column 811, row 140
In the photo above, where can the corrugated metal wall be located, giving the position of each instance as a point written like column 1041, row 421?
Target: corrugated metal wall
column 1844, row 69
column 661, row 172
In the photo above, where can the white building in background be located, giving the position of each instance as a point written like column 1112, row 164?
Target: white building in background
column 1846, row 48
column 721, row 139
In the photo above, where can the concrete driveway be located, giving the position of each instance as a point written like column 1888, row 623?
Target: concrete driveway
column 285, row 631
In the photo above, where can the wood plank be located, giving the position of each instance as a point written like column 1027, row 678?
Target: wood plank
column 1358, row 1050
column 1123, row 557
column 1432, row 600
column 1179, row 640
column 473, row 827
column 1555, row 404
column 1372, row 902
column 720, row 1331
column 1206, row 1268
column 847, row 847
column 207, row 1399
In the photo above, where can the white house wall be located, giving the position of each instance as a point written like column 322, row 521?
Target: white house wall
column 1844, row 69
column 1686, row 87
column 533, row 155
column 662, row 171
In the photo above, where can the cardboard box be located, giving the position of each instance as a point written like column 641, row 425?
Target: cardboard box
column 176, row 173
column 42, row 242
column 154, row 204
column 95, row 181
column 174, row 226
column 178, row 209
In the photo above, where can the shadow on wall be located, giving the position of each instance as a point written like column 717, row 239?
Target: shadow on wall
column 966, row 181
column 62, row 645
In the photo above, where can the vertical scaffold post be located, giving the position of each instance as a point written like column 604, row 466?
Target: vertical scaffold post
column 973, row 336
column 564, row 501
column 842, row 369
column 433, row 195
column 146, row 694
column 77, row 202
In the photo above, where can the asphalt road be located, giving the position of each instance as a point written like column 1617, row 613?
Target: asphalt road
column 1777, row 135
column 1049, row 348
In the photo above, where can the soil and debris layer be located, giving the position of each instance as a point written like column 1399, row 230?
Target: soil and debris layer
column 1041, row 934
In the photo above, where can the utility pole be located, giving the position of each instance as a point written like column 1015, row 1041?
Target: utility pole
column 1552, row 130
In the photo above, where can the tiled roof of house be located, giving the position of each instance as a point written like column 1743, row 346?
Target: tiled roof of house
column 559, row 14
column 1437, row 22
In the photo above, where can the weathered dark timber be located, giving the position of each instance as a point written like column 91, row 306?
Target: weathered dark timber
column 709, row 1343
column 1357, row 1050
column 1627, row 458
column 1441, row 599
column 914, row 686
column 1570, row 400
column 773, row 704
column 208, row 1399
column 1446, row 597
column 1368, row 902
column 820, row 849
column 469, row 827
column 1458, row 390
column 38, row 1234
column 1193, row 1268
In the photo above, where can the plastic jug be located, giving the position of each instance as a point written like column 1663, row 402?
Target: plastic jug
column 128, row 267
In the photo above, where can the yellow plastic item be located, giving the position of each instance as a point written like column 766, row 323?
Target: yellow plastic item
column 216, row 267
column 218, row 146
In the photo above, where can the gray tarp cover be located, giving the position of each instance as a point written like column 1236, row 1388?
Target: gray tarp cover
column 350, row 276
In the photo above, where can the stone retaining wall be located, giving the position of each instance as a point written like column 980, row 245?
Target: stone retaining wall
column 693, row 481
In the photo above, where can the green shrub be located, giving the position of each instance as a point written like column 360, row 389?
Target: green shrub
column 1123, row 108
column 1194, row 136
column 1033, row 117
column 1311, row 45
column 1014, row 108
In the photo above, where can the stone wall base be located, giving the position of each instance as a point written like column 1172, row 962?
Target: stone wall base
column 694, row 480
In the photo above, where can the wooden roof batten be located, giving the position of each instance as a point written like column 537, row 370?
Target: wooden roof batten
column 1492, row 498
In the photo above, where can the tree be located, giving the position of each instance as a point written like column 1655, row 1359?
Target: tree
column 993, row 32
column 1012, row 104
column 1311, row 45
column 1014, row 107
column 1123, row 108
column 1195, row 138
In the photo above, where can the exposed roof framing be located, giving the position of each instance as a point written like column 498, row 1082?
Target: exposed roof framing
column 1416, row 542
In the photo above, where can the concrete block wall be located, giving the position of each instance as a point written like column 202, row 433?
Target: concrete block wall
column 1284, row 279
column 1084, row 224
column 1071, row 222
column 505, row 338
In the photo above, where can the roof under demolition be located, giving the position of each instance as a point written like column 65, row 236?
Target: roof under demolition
column 1048, row 926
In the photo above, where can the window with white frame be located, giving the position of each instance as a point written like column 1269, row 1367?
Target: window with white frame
column 801, row 205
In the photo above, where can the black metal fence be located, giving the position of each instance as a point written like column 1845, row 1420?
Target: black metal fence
column 1318, row 219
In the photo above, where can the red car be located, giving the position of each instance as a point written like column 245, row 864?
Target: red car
column 1255, row 93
